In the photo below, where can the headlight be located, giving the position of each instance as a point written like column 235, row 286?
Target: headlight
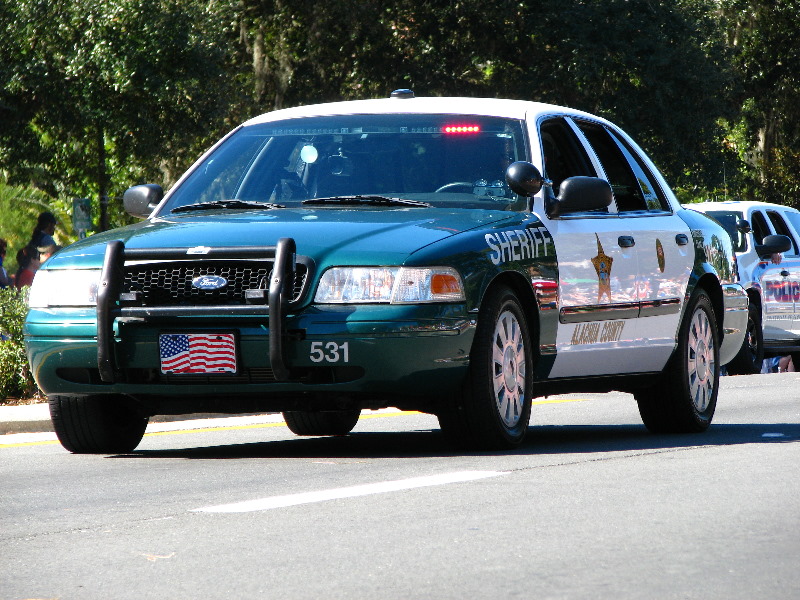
column 64, row 288
column 396, row 285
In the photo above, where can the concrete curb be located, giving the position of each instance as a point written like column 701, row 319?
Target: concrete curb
column 26, row 418
column 35, row 418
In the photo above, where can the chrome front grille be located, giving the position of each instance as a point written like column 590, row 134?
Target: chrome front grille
column 170, row 283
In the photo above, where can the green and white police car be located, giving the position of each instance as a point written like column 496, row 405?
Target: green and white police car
column 456, row 256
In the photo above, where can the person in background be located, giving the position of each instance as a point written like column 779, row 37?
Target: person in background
column 4, row 279
column 28, row 261
column 44, row 230
column 46, row 252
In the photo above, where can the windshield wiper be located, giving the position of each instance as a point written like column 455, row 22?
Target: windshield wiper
column 217, row 204
column 373, row 200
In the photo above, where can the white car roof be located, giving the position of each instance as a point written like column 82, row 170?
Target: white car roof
column 738, row 205
column 494, row 107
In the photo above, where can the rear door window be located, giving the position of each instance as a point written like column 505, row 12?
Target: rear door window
column 633, row 185
column 794, row 220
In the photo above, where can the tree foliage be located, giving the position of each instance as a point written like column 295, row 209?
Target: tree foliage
column 657, row 69
column 98, row 94
column 15, row 375
column 765, row 42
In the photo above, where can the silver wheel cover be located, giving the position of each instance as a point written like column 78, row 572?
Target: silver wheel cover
column 701, row 361
column 508, row 368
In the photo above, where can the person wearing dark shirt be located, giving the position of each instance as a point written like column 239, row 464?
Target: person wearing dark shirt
column 44, row 230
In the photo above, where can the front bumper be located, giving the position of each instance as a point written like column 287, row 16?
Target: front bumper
column 287, row 355
column 406, row 351
column 735, row 303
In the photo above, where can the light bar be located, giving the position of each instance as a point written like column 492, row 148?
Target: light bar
column 461, row 129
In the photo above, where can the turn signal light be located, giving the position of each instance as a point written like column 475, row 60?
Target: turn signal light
column 444, row 283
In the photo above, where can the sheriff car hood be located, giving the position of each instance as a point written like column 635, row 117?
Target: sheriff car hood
column 328, row 235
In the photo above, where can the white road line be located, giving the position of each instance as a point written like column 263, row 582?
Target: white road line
column 349, row 492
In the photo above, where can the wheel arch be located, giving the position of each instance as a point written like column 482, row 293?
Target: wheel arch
column 522, row 288
column 754, row 296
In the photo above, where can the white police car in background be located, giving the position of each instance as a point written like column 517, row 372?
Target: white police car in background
column 767, row 244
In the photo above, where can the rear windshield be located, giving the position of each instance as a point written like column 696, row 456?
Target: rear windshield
column 443, row 160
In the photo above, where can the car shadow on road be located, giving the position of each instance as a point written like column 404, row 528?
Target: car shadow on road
column 541, row 439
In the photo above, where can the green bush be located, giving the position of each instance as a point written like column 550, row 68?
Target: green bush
column 16, row 380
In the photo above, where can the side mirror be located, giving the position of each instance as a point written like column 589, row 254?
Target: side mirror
column 141, row 200
column 772, row 245
column 580, row 194
column 524, row 179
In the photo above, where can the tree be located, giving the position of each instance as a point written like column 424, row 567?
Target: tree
column 99, row 93
column 658, row 69
column 765, row 41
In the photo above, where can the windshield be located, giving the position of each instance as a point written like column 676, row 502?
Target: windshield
column 729, row 220
column 442, row 160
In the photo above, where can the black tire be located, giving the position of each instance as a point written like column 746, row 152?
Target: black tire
column 494, row 408
column 684, row 398
column 97, row 424
column 332, row 422
column 750, row 357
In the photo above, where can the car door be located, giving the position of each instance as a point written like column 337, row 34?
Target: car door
column 789, row 268
column 776, row 285
column 664, row 254
column 597, row 269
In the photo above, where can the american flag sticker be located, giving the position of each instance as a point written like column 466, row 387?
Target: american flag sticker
column 198, row 352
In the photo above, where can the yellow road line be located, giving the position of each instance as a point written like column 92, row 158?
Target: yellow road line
column 560, row 401
column 21, row 444
column 265, row 425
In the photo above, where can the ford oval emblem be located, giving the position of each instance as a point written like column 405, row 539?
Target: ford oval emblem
column 209, row 282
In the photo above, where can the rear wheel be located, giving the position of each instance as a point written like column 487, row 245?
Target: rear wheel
column 495, row 406
column 333, row 422
column 685, row 396
column 751, row 355
column 97, row 424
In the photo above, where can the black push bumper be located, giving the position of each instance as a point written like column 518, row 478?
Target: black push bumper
column 271, row 302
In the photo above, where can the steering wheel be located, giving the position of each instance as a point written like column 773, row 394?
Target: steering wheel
column 455, row 184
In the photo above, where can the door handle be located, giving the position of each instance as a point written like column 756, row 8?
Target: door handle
column 626, row 241
column 681, row 239
column 784, row 273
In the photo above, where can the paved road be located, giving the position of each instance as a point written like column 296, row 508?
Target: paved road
column 591, row 507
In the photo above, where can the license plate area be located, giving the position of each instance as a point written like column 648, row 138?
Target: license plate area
column 198, row 353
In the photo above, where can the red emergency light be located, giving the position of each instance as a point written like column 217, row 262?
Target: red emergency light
column 461, row 129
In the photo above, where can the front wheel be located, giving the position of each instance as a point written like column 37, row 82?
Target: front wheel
column 684, row 398
column 332, row 422
column 106, row 424
column 495, row 406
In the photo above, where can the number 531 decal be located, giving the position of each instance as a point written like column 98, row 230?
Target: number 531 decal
column 329, row 352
